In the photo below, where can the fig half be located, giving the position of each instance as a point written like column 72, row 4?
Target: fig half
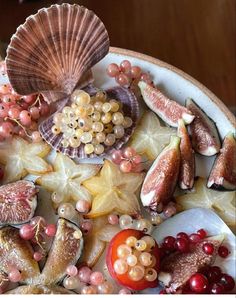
column 204, row 134
column 177, row 268
column 160, row 181
column 168, row 110
column 18, row 202
column 187, row 165
column 66, row 250
column 223, row 173
column 17, row 252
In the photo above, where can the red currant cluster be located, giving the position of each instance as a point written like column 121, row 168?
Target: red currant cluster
column 212, row 280
column 126, row 74
column 19, row 115
column 128, row 160
column 36, row 231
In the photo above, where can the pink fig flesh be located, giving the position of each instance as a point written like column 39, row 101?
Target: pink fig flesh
column 204, row 134
column 160, row 181
column 177, row 268
column 18, row 202
column 168, row 110
column 187, row 165
column 223, row 173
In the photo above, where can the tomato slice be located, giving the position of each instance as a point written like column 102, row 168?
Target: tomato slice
column 111, row 257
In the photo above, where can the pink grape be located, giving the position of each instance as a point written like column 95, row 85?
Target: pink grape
column 146, row 78
column 4, row 110
column 113, row 70
column 36, row 137
column 72, row 270
column 5, row 89
column 125, row 66
column 122, row 79
column 35, row 220
column 29, row 98
column 34, row 112
column 113, row 219
column 33, row 125
column 135, row 72
column 22, row 133
column 117, row 156
column 125, row 166
column 96, row 278
column 83, row 206
column 86, row 226
column 137, row 159
column 44, row 109
column 27, row 232
column 14, row 275
column 38, row 256
column 8, row 99
column 25, row 118
column 14, row 112
column 50, row 230
column 84, row 274
column 129, row 152
column 6, row 129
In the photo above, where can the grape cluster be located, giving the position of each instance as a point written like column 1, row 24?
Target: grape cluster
column 19, row 115
column 128, row 160
column 125, row 74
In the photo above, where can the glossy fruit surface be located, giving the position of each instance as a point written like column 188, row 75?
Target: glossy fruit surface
column 198, row 283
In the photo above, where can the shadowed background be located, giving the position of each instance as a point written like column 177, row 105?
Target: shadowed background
column 197, row 36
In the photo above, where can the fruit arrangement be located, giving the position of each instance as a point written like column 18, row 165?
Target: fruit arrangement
column 96, row 197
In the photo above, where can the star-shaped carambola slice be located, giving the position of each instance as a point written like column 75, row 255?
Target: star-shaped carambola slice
column 222, row 202
column 150, row 137
column 67, row 178
column 114, row 191
column 21, row 157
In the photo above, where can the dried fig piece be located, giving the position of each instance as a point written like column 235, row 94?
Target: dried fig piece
column 187, row 165
column 204, row 134
column 18, row 202
column 161, row 179
column 223, row 173
column 168, row 110
column 39, row 289
column 14, row 251
column 177, row 268
column 65, row 250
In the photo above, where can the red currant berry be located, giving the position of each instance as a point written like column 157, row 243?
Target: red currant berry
column 223, row 251
column 169, row 243
column 183, row 236
column 208, row 248
column 214, row 274
column 50, row 230
column 27, row 232
column 216, row 288
column 227, row 281
column 182, row 245
column 194, row 238
column 202, row 233
column 198, row 283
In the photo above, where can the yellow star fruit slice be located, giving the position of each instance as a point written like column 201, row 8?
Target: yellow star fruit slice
column 222, row 202
column 21, row 157
column 114, row 191
column 150, row 137
column 67, row 177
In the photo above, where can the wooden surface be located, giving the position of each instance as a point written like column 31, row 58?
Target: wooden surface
column 197, row 36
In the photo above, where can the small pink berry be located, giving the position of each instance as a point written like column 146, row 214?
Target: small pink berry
column 36, row 137
column 116, row 156
column 27, row 232
column 84, row 274
column 38, row 256
column 113, row 70
column 86, row 226
column 83, row 206
column 129, row 152
column 96, row 278
column 14, row 275
column 122, row 79
column 29, row 98
column 72, row 270
column 50, row 230
column 125, row 166
column 34, row 112
column 125, row 291
column 125, row 66
column 113, row 219
column 25, row 118
column 137, row 159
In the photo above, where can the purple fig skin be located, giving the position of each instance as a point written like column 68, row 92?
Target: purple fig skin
column 204, row 134
column 177, row 268
column 168, row 110
column 187, row 165
column 160, row 182
column 223, row 173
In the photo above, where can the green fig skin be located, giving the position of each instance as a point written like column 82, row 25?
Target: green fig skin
column 161, row 179
column 223, row 173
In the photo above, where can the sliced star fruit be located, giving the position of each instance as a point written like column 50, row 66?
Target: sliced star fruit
column 65, row 250
column 204, row 134
column 150, row 137
column 18, row 201
column 114, row 191
column 187, row 165
column 177, row 268
column 39, row 289
column 160, row 181
column 223, row 173
column 17, row 252
column 95, row 241
column 223, row 203
column 67, row 178
column 21, row 158
column 168, row 110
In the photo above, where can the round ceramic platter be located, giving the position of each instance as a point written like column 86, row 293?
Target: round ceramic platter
column 178, row 86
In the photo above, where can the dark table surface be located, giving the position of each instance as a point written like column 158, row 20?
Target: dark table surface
column 197, row 36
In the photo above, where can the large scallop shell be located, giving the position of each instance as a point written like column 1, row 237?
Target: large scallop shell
column 130, row 108
column 54, row 50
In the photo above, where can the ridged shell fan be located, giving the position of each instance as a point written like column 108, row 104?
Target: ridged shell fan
column 52, row 53
column 54, row 49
